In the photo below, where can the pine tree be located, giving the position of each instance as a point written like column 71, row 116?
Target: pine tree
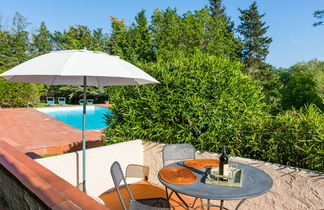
column 222, row 40
column 218, row 10
column 165, row 28
column 139, row 39
column 319, row 14
column 77, row 37
column 99, row 41
column 19, row 38
column 255, row 43
column 118, row 41
column 42, row 40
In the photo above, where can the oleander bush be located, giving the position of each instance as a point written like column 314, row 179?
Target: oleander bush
column 205, row 100
column 296, row 138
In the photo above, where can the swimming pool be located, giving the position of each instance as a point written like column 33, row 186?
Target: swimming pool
column 73, row 116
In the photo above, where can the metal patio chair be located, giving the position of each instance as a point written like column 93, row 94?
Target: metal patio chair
column 178, row 152
column 137, row 171
column 140, row 204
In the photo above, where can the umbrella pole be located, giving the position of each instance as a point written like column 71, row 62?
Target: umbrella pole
column 84, row 134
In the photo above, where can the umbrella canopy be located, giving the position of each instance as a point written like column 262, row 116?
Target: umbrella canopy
column 78, row 67
column 68, row 67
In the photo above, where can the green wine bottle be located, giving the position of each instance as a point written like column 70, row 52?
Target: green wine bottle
column 223, row 164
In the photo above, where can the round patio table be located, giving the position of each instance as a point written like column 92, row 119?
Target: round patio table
column 255, row 182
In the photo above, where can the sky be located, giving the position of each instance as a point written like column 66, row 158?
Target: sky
column 290, row 21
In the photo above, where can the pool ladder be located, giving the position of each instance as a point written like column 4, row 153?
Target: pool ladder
column 30, row 104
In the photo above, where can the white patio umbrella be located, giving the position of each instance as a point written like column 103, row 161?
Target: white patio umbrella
column 78, row 67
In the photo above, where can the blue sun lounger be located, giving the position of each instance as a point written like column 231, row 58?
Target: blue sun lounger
column 61, row 100
column 50, row 101
column 89, row 101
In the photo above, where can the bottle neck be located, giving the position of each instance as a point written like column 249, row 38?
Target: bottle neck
column 223, row 150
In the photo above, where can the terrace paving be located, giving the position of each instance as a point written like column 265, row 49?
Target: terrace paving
column 32, row 131
column 142, row 190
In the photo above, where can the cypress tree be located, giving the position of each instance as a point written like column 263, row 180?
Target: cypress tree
column 255, row 43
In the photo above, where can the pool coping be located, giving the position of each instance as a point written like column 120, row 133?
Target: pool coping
column 27, row 130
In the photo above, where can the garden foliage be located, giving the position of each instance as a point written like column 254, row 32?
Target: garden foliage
column 16, row 94
column 208, row 101
column 295, row 138
column 14, row 47
column 202, row 99
column 255, row 42
column 302, row 84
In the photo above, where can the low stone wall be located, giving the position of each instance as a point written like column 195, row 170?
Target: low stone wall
column 98, row 162
column 25, row 184
column 293, row 188
column 13, row 195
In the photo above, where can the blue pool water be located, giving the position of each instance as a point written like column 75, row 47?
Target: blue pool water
column 73, row 116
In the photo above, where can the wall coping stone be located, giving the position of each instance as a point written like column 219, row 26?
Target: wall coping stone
column 52, row 190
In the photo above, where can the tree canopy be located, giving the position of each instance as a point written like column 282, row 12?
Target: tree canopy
column 255, row 43
column 319, row 15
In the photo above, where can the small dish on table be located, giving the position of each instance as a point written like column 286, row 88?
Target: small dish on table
column 178, row 175
column 201, row 163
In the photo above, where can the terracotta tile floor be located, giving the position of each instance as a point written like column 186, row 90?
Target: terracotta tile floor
column 142, row 190
column 33, row 131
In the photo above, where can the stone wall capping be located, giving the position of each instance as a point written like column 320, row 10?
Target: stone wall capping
column 50, row 189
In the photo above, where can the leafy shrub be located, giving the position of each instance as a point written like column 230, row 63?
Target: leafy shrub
column 202, row 99
column 294, row 137
column 303, row 85
column 17, row 94
column 208, row 101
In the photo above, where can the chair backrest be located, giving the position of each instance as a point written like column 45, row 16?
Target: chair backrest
column 89, row 101
column 50, row 100
column 178, row 152
column 137, row 171
column 118, row 176
column 81, row 101
column 61, row 100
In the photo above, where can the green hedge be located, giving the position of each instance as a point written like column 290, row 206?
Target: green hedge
column 295, row 137
column 208, row 101
column 204, row 100
column 17, row 94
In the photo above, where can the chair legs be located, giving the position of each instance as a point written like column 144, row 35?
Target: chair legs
column 187, row 206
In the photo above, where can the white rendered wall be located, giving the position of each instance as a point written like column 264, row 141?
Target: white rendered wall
column 98, row 162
